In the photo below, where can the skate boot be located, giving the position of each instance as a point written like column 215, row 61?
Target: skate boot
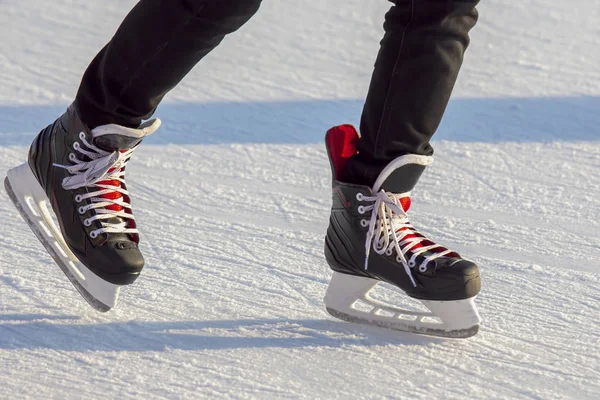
column 75, row 176
column 370, row 240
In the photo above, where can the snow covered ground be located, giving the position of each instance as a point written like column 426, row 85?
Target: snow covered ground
column 232, row 196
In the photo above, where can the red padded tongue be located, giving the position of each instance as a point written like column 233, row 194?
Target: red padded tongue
column 405, row 203
column 112, row 195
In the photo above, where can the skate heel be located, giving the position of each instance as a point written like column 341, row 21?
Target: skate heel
column 345, row 290
column 32, row 203
column 347, row 298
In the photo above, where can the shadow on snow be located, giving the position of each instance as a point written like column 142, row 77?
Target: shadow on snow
column 543, row 119
column 37, row 332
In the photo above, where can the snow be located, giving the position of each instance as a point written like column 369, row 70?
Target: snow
column 232, row 196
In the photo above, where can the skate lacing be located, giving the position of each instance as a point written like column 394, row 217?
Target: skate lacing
column 390, row 229
column 105, row 172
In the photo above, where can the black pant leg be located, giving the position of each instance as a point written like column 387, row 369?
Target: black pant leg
column 415, row 71
column 157, row 44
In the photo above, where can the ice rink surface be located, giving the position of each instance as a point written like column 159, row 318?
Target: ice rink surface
column 232, row 198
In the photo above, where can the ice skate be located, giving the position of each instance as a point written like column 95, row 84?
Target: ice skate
column 370, row 240
column 75, row 176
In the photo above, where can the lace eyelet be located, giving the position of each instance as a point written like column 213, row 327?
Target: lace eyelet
column 379, row 248
column 81, row 210
column 388, row 252
column 72, row 157
column 423, row 268
column 359, row 196
column 412, row 263
column 81, row 135
column 87, row 222
column 93, row 235
column 398, row 259
column 78, row 198
column 364, row 223
column 361, row 210
column 76, row 146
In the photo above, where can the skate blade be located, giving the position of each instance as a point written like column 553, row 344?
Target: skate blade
column 32, row 203
column 450, row 319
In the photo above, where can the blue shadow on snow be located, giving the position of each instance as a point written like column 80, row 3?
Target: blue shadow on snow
column 40, row 333
column 543, row 119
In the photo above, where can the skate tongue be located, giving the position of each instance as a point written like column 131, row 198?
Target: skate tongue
column 114, row 137
column 398, row 179
column 401, row 175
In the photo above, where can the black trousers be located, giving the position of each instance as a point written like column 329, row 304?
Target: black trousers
column 160, row 41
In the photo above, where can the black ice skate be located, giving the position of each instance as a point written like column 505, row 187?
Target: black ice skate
column 370, row 239
column 80, row 172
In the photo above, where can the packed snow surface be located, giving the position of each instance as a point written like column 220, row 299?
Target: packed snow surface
column 232, row 197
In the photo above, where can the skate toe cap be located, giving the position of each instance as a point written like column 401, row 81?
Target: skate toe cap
column 452, row 279
column 457, row 278
column 119, row 263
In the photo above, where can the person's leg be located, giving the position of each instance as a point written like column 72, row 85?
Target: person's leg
column 157, row 44
column 416, row 68
column 76, row 165
column 370, row 238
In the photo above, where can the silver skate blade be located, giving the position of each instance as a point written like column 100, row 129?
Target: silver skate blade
column 32, row 203
column 347, row 299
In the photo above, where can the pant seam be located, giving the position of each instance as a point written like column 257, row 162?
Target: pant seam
column 387, row 95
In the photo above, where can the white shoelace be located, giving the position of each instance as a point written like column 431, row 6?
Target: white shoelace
column 103, row 166
column 388, row 230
